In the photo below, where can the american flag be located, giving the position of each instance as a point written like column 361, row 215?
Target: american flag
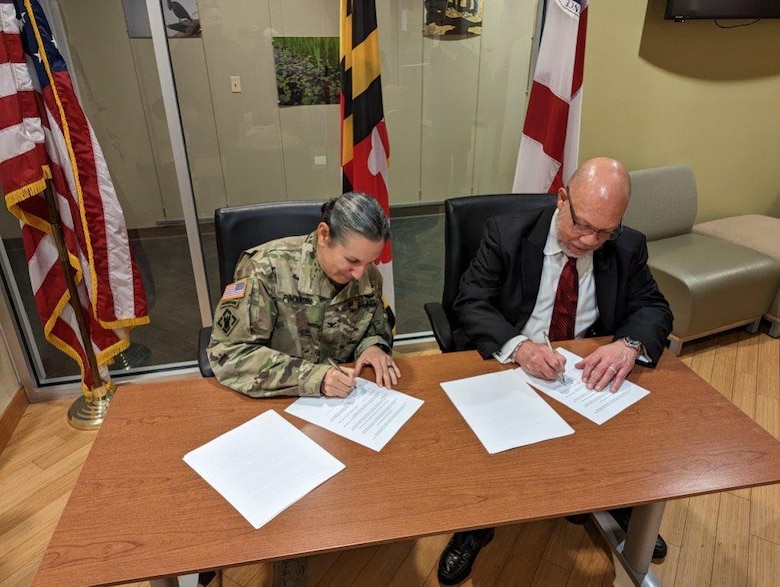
column 365, row 147
column 44, row 135
column 235, row 290
column 551, row 135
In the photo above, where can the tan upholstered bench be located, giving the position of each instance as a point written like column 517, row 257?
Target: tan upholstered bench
column 711, row 284
column 758, row 232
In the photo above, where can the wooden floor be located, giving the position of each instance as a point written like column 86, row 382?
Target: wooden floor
column 728, row 539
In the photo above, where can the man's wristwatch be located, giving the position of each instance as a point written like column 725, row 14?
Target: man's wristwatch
column 633, row 343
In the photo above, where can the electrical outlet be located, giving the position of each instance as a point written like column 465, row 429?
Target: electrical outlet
column 235, row 84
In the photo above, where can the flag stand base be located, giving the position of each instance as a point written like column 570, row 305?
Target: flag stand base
column 89, row 415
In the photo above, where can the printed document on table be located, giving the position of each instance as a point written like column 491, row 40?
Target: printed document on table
column 263, row 466
column 370, row 415
column 597, row 406
column 503, row 411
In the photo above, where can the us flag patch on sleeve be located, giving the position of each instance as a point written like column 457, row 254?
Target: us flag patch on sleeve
column 235, row 290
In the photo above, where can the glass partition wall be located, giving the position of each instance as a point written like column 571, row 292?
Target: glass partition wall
column 454, row 103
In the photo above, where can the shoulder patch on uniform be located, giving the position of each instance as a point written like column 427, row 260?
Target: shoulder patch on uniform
column 235, row 290
column 227, row 321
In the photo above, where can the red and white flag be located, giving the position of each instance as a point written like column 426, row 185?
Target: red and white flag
column 365, row 148
column 44, row 135
column 551, row 134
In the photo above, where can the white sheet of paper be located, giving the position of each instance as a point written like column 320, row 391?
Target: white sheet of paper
column 370, row 415
column 597, row 406
column 503, row 411
column 263, row 466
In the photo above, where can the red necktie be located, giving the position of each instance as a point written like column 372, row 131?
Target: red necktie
column 565, row 309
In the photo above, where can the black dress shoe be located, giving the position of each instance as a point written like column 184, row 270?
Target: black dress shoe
column 578, row 519
column 623, row 516
column 461, row 552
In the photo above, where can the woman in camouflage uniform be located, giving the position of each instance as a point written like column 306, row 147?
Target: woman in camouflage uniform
column 299, row 302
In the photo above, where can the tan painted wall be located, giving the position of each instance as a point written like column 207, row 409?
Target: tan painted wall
column 9, row 381
column 659, row 92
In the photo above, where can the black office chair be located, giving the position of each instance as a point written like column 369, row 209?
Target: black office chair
column 239, row 228
column 464, row 219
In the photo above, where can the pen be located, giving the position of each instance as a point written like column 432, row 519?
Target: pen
column 337, row 366
column 561, row 377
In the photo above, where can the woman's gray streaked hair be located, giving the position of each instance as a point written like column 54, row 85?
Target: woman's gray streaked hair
column 358, row 213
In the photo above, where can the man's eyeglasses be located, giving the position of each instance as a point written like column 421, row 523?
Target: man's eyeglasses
column 586, row 229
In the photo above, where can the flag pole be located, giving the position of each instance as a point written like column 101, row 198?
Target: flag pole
column 89, row 410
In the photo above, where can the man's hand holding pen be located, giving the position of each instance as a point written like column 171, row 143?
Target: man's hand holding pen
column 540, row 360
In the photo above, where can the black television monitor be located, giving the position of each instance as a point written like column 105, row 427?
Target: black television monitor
column 721, row 9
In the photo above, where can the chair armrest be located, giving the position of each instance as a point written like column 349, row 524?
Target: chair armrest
column 390, row 325
column 442, row 331
column 203, row 360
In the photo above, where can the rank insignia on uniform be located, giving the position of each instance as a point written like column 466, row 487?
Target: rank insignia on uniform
column 235, row 290
column 227, row 321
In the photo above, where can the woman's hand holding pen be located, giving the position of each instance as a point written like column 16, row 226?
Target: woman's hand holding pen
column 338, row 381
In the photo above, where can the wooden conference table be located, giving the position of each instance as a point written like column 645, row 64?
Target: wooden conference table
column 138, row 511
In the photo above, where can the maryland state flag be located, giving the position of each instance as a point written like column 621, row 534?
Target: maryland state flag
column 365, row 149
column 45, row 137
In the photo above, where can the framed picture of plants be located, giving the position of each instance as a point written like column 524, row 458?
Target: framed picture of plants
column 307, row 70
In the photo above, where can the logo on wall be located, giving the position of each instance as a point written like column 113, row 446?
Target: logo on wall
column 181, row 19
column 453, row 19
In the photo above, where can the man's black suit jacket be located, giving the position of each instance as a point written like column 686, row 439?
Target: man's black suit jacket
column 498, row 291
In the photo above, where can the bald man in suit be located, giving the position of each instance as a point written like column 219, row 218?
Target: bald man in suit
column 509, row 299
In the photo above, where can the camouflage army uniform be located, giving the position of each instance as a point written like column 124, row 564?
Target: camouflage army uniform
column 279, row 322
